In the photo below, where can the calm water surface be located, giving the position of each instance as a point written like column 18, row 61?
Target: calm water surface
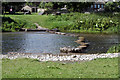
column 35, row 42
column 42, row 42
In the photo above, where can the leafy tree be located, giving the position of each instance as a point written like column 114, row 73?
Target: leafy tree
column 111, row 6
column 7, row 5
column 49, row 5
column 77, row 6
column 42, row 5
column 71, row 6
column 29, row 3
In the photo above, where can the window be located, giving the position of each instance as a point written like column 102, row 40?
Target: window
column 95, row 6
column 91, row 6
column 98, row 6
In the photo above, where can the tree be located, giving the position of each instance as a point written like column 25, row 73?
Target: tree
column 111, row 6
column 71, row 6
column 49, row 5
column 78, row 6
column 46, row 5
column 7, row 5
column 29, row 3
column 42, row 5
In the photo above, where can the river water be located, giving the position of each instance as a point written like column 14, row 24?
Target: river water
column 43, row 42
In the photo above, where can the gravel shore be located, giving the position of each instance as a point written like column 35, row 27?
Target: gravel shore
column 50, row 57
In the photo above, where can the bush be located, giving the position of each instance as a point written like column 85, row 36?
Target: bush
column 80, row 21
column 114, row 49
column 111, row 6
column 9, row 24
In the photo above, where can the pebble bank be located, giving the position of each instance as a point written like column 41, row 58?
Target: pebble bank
column 50, row 57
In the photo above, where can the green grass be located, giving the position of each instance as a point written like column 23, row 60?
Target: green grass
column 30, row 18
column 107, row 23
column 30, row 68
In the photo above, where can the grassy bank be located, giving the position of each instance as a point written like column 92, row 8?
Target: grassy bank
column 10, row 24
column 75, row 22
column 29, row 68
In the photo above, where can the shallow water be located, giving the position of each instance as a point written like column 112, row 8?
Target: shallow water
column 100, row 43
column 35, row 42
column 42, row 42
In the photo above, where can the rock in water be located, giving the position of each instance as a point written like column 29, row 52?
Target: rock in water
column 82, row 39
column 57, row 33
column 84, row 44
column 62, row 33
column 52, row 32
column 82, row 47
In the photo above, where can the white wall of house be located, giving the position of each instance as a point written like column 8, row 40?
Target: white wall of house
column 40, row 10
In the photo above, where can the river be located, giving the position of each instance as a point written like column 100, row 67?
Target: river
column 43, row 42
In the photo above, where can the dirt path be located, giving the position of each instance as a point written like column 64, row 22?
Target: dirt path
column 40, row 28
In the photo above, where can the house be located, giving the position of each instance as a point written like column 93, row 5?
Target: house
column 31, row 8
column 97, row 5
column 26, row 9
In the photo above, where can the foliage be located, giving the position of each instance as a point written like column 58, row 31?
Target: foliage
column 114, row 49
column 9, row 24
column 80, row 21
column 47, row 5
column 30, row 68
column 7, row 5
column 111, row 6
column 29, row 3
column 77, row 22
column 42, row 5
column 78, row 6
column 71, row 6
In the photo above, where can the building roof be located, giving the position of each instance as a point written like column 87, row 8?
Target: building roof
column 106, row 0
column 99, row 2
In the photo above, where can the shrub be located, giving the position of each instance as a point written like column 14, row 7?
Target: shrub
column 114, row 49
column 80, row 21
column 9, row 24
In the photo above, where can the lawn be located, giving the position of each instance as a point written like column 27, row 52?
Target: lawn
column 30, row 68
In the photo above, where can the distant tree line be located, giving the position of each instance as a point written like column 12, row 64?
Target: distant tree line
column 112, row 6
column 14, row 5
column 71, row 6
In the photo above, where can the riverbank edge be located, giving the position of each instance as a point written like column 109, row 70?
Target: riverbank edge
column 73, row 32
column 46, row 29
column 51, row 57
